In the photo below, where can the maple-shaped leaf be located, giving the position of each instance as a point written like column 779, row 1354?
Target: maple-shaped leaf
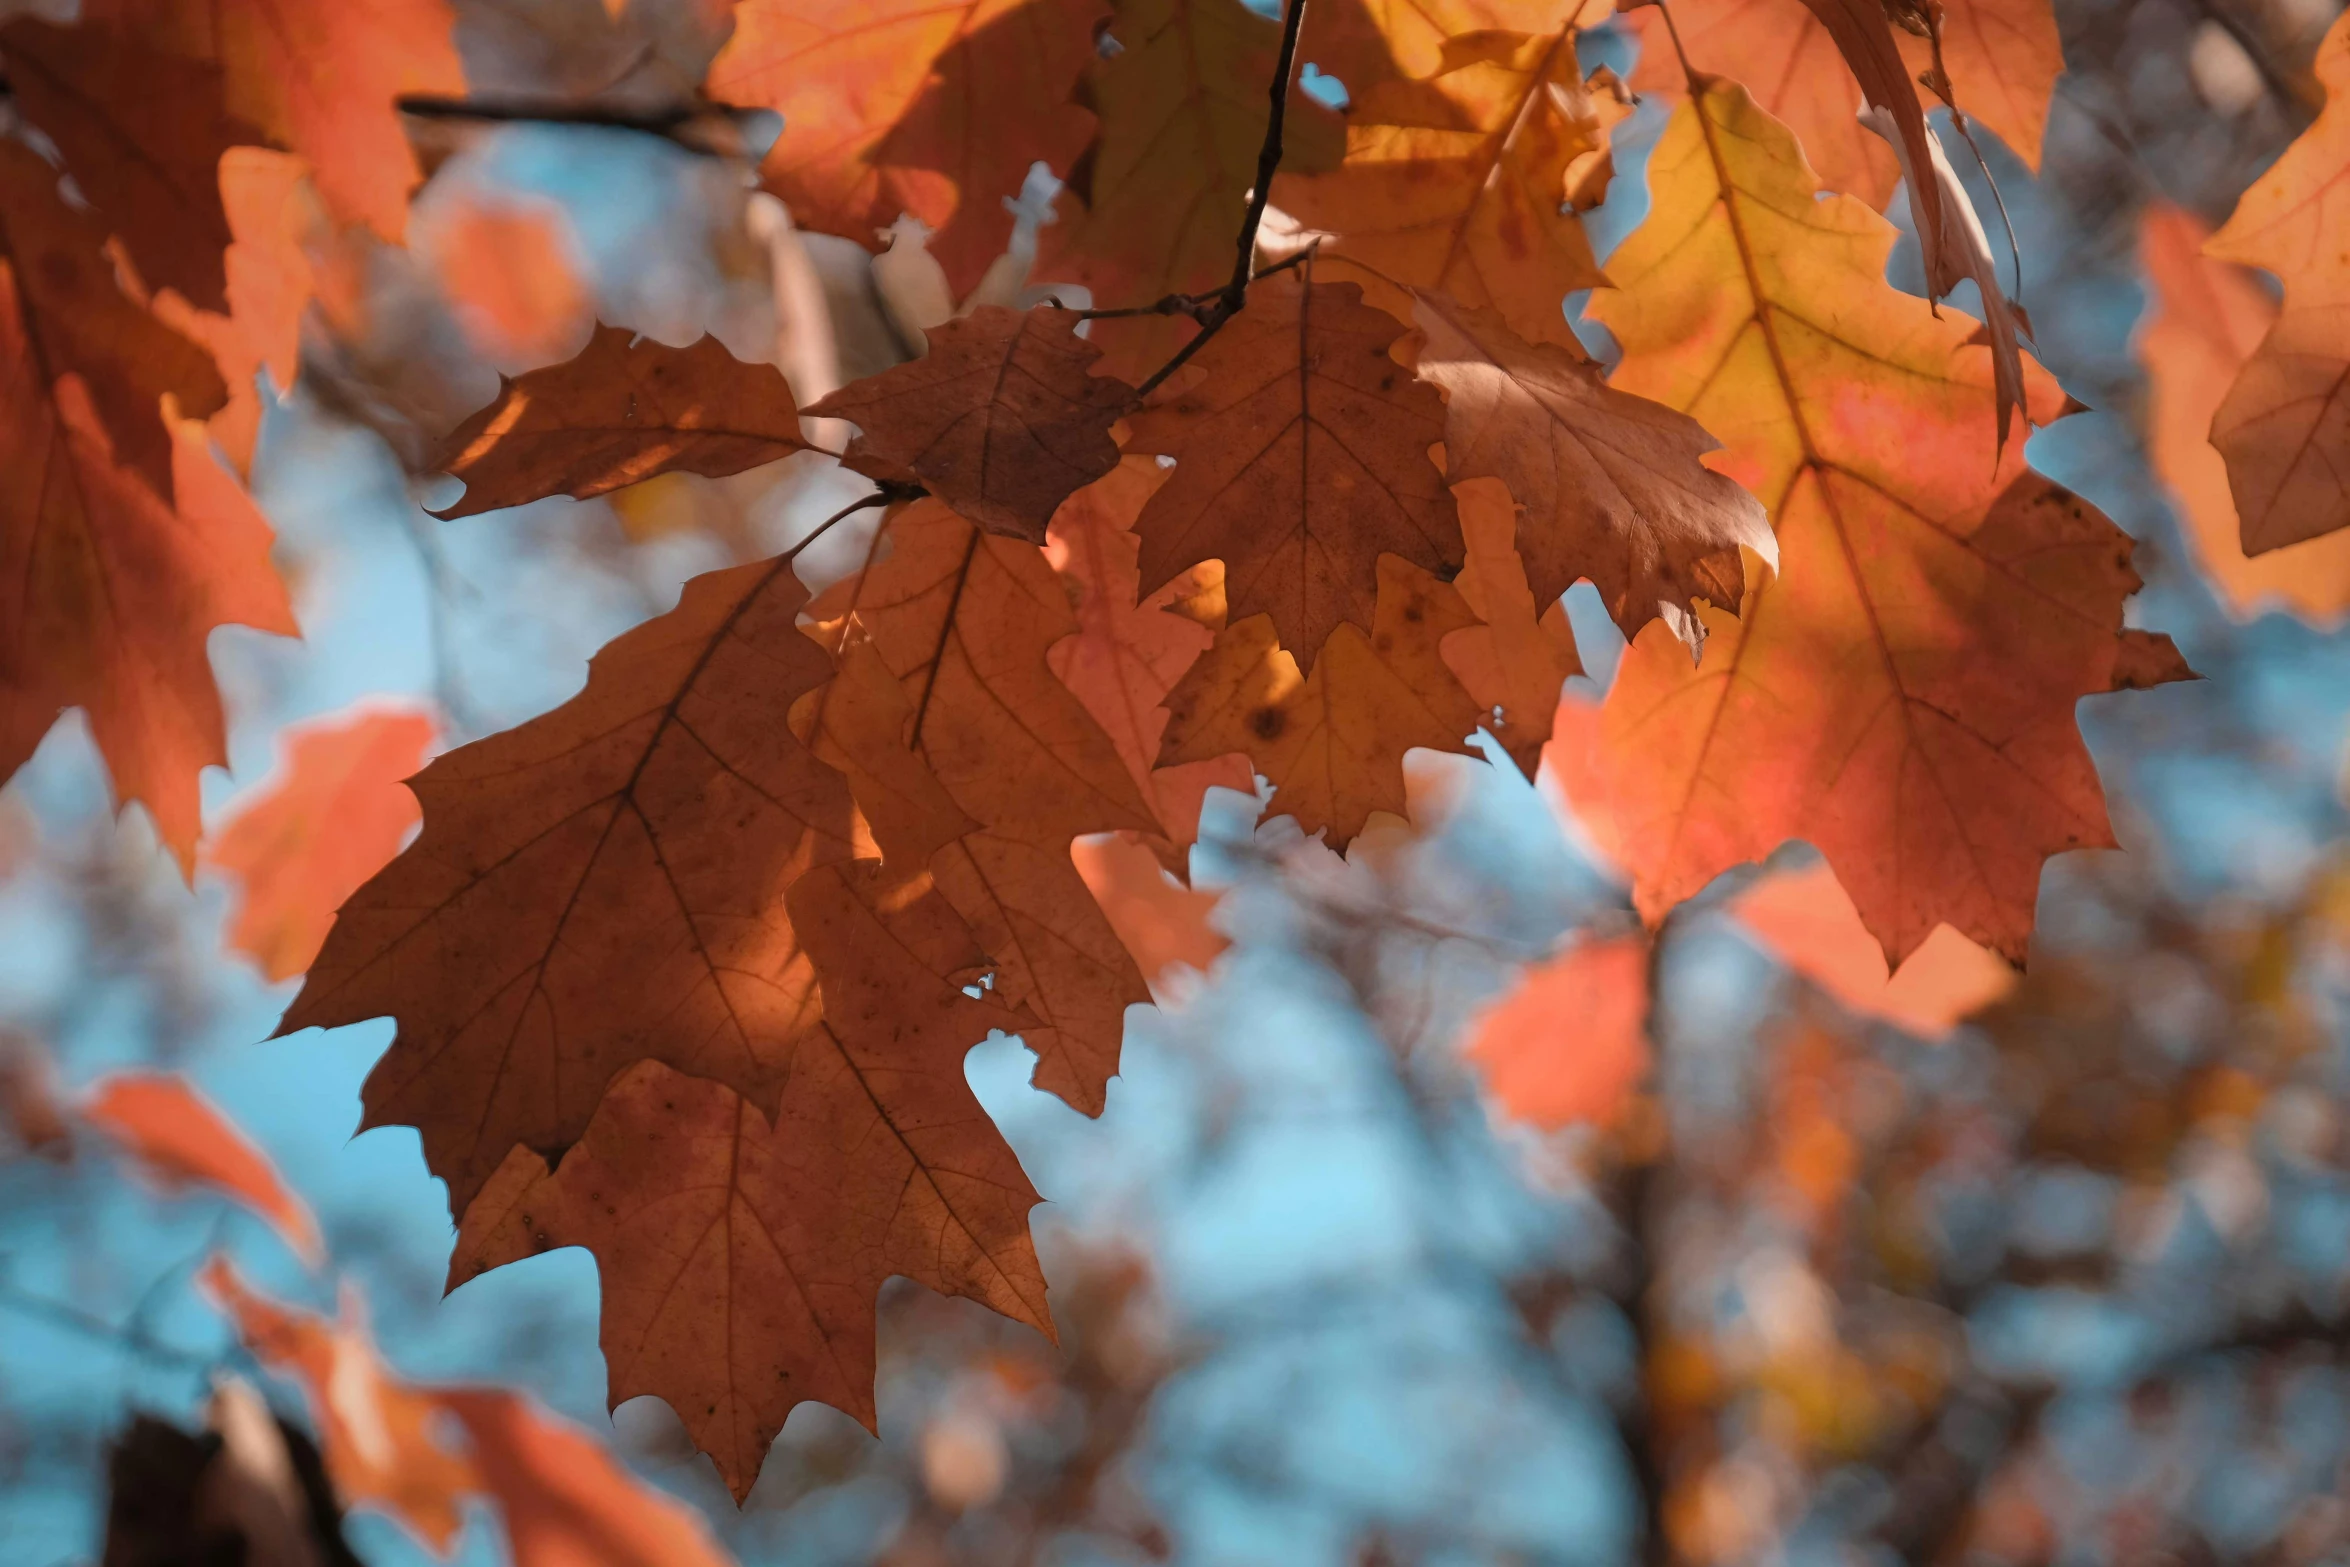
column 627, row 408
column 1614, row 484
column 1332, row 741
column 1365, row 43
column 1301, row 456
column 1161, row 921
column 1155, row 205
column 741, row 1253
column 2002, row 56
column 321, row 82
column 1513, row 664
column 1567, row 1043
column 179, row 1138
column 599, row 886
column 2204, row 320
column 1469, row 181
column 964, row 620
column 334, row 814
column 1902, row 693
column 2284, row 427
column 561, row 1497
column 908, row 106
column 1805, row 919
column 1128, row 651
column 142, row 132
column 1002, row 418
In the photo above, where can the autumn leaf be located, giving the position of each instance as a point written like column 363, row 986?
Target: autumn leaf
column 2284, row 427
column 562, row 1499
column 1365, row 43
column 626, row 409
column 1002, row 419
column 1332, row 741
column 143, row 132
column 334, row 814
column 179, row 1138
column 512, row 273
column 1153, row 207
column 2204, row 320
column 1574, row 778
column 319, row 83
column 964, row 620
column 1513, row 664
column 1128, row 651
column 905, row 106
column 1615, row 483
column 1469, row 181
column 741, row 1254
column 1902, row 694
column 599, row 886
column 1301, row 456
column 1567, row 1043
column 1805, row 919
column 1163, row 923
column 273, row 212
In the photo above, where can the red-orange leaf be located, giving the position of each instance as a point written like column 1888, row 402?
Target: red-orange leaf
column 1513, row 665
column 180, row 1138
column 333, row 814
column 626, row 409
column 1805, row 919
column 1161, row 921
column 741, row 1254
column 1301, row 456
column 1568, row 1041
column 909, row 106
column 1002, row 419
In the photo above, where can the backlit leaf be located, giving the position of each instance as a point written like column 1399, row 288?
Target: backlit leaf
column 1513, row 665
column 179, row 1138
column 1567, row 1043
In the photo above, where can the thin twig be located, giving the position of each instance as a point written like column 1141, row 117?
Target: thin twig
column 132, row 1339
column 883, row 495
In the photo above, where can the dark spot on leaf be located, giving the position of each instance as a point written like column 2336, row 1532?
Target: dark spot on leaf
column 1268, row 722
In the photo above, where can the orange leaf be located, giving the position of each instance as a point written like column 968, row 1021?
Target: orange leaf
column 1002, row 419
column 2205, row 319
column 273, row 213
column 1805, row 920
column 1616, row 483
column 1153, row 207
column 1513, row 665
column 1161, row 921
column 319, row 81
column 333, row 814
column 1365, row 43
column 1903, row 694
column 1301, row 456
column 626, row 409
column 600, row 886
column 1456, row 182
column 1575, row 780
column 906, row 106
column 741, row 1255
column 1127, row 651
column 1568, row 1041
column 2284, row 427
column 511, row 271
column 1332, row 742
column 180, row 1138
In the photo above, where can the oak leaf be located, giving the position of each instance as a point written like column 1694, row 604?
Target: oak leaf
column 561, row 1497
column 964, row 620
column 1332, row 741
column 627, row 408
column 2284, row 426
column 143, row 132
column 1128, row 651
column 2205, row 319
column 905, row 106
column 1902, row 694
column 1615, row 485
column 1162, row 922
column 741, row 1254
column 1567, row 1043
column 1514, row 664
column 1153, row 207
column 1805, row 919
column 1001, row 419
column 1365, row 43
column 599, row 886
column 334, row 814
column 1469, row 181
column 179, row 1138
column 322, row 83
column 1301, row 456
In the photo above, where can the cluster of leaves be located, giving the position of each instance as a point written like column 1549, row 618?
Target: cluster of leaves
column 685, row 970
